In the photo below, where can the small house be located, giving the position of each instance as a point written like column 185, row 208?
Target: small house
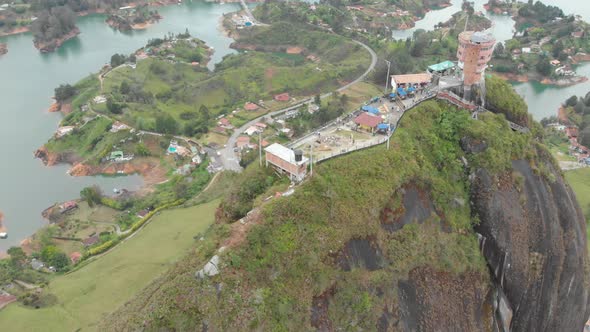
column 224, row 123
column 75, row 257
column 367, row 121
column 118, row 126
column 250, row 106
column 578, row 34
column 67, row 206
column 62, row 131
column 141, row 214
column 260, row 125
column 90, row 241
column 288, row 161
column 251, row 130
column 243, row 142
column 115, row 155
column 37, row 264
column 312, row 108
column 282, row 97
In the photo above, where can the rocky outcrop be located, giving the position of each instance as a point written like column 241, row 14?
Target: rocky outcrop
column 432, row 300
column 3, row 49
column 533, row 237
column 53, row 158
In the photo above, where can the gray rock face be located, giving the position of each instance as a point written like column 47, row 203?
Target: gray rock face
column 533, row 236
column 210, row 269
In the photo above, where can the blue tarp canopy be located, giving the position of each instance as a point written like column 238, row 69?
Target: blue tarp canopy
column 401, row 91
column 370, row 109
column 411, row 89
column 383, row 126
column 392, row 95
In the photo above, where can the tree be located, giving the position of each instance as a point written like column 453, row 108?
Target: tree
column 317, row 100
column 117, row 60
column 18, row 258
column 64, row 92
column 113, row 106
column 54, row 257
column 60, row 260
column 205, row 114
column 124, row 88
column 141, row 150
column 166, row 124
column 91, row 195
column 543, row 66
column 499, row 50
column 585, row 136
column 571, row 101
column 557, row 49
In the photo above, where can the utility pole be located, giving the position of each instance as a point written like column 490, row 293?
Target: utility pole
column 260, row 148
column 311, row 160
column 387, row 78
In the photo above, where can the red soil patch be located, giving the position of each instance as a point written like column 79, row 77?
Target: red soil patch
column 55, row 107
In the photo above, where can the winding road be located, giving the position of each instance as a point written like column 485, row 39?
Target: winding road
column 227, row 155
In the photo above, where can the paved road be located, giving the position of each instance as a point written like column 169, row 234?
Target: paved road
column 228, row 157
column 249, row 13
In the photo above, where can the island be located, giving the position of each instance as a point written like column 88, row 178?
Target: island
column 133, row 18
column 54, row 27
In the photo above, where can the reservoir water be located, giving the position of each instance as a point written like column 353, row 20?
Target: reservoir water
column 27, row 80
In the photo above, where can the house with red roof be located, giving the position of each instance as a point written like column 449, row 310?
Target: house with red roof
column 250, row 106
column 75, row 257
column 260, row 125
column 224, row 123
column 282, row 97
column 243, row 142
column 367, row 122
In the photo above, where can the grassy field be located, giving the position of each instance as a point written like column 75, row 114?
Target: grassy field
column 84, row 296
column 579, row 180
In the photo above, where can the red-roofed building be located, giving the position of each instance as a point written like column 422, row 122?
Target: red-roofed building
column 367, row 121
column 90, row 241
column 282, row 97
column 265, row 143
column 75, row 257
column 243, row 142
column 224, row 122
column 250, row 106
column 67, row 206
column 260, row 125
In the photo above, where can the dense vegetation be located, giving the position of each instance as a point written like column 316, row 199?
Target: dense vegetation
column 53, row 24
column 501, row 98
